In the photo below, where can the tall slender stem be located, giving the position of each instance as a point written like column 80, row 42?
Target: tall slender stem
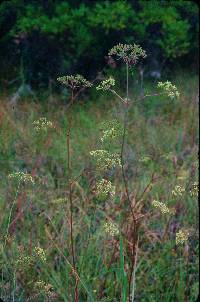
column 70, row 200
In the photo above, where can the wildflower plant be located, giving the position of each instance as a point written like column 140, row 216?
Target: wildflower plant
column 130, row 55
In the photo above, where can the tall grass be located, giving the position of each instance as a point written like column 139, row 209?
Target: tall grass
column 164, row 132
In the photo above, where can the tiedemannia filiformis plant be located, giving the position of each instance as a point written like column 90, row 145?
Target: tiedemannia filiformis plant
column 123, row 220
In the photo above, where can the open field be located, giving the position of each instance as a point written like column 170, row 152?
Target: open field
column 161, row 152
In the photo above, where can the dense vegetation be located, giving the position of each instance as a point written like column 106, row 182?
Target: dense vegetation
column 162, row 142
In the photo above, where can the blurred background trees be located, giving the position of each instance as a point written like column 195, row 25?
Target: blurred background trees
column 43, row 39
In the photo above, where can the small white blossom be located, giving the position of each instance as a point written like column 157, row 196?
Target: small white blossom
column 105, row 187
column 170, row 89
column 106, row 84
column 22, row 177
column 42, row 124
column 106, row 160
column 163, row 208
column 182, row 237
column 178, row 191
column 111, row 229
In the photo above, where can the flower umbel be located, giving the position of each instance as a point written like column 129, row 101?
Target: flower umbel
column 178, row 191
column 182, row 237
column 42, row 124
column 127, row 52
column 43, row 287
column 40, row 253
column 195, row 189
column 163, row 208
column 106, row 160
column 111, row 130
column 22, row 177
column 74, row 82
column 106, row 84
column 111, row 229
column 169, row 89
column 104, row 187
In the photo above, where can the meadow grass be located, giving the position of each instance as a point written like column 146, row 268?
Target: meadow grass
column 162, row 142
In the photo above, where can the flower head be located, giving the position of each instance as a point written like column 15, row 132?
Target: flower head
column 169, row 89
column 104, row 187
column 163, row 208
column 106, row 160
column 127, row 52
column 74, row 82
column 43, row 287
column 195, row 189
column 106, row 84
column 42, row 124
column 22, row 177
column 40, row 253
column 111, row 130
column 182, row 236
column 111, row 229
column 178, row 191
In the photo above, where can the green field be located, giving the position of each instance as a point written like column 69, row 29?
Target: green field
column 161, row 149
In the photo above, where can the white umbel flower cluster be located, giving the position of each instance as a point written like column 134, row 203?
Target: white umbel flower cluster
column 178, row 191
column 163, row 208
column 104, row 188
column 111, row 229
column 106, row 160
column 170, row 89
column 22, row 177
column 182, row 237
column 106, row 84
column 42, row 124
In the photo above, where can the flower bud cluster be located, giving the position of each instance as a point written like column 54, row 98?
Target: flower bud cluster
column 42, row 124
column 163, row 208
column 22, row 177
column 74, row 81
column 127, row 52
column 182, row 237
column 171, row 90
column 111, row 229
column 104, row 187
column 106, row 84
column 106, row 160
column 178, row 191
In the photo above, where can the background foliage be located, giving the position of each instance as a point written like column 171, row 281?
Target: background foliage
column 43, row 39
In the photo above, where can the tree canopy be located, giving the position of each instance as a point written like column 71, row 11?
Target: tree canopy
column 47, row 38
